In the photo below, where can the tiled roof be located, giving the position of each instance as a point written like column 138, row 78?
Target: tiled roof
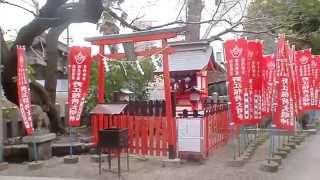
column 189, row 56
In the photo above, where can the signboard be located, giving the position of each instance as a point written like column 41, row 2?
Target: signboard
column 189, row 134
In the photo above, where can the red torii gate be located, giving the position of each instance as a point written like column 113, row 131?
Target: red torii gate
column 143, row 36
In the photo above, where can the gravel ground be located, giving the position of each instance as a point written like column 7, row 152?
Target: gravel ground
column 302, row 163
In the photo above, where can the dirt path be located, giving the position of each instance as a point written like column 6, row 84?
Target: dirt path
column 301, row 164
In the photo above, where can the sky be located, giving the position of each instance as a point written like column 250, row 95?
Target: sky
column 158, row 11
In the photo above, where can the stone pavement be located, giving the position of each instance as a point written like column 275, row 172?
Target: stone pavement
column 31, row 178
column 304, row 162
column 301, row 164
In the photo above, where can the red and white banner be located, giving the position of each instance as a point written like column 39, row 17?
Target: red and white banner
column 79, row 79
column 316, row 80
column 24, row 91
column 236, row 58
column 268, row 85
column 284, row 116
column 244, row 76
column 304, row 76
column 255, row 50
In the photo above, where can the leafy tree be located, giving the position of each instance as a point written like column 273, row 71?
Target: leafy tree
column 297, row 18
column 125, row 75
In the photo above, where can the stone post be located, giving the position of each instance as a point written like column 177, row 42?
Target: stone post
column 3, row 165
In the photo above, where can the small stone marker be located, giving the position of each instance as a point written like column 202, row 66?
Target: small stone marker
column 3, row 166
column 71, row 159
column 269, row 166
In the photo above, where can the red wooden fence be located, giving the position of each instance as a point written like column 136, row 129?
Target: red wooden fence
column 148, row 128
column 216, row 131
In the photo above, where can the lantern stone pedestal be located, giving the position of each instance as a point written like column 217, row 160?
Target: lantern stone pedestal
column 3, row 166
column 43, row 146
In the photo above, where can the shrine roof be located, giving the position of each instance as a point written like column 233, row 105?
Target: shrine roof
column 190, row 56
column 112, row 109
column 159, row 33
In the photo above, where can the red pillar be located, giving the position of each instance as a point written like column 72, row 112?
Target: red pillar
column 167, row 89
column 101, row 76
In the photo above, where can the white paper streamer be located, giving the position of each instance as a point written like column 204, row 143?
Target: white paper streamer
column 105, row 64
column 139, row 68
column 124, row 69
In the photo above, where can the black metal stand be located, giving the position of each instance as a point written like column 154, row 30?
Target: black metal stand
column 113, row 139
column 110, row 158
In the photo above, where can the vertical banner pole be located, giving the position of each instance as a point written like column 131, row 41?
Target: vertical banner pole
column 68, row 44
column 71, row 143
column 79, row 82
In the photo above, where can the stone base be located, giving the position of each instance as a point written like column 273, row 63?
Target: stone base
column 3, row 166
column 300, row 138
column 170, row 162
column 269, row 166
column 247, row 154
column 250, row 150
column 34, row 165
column 276, row 159
column 43, row 146
column 295, row 141
column 239, row 162
column 245, row 157
column 311, row 126
column 311, row 131
column 95, row 158
column 71, row 159
column 285, row 148
column 283, row 154
column 191, row 156
column 291, row 145
column 253, row 146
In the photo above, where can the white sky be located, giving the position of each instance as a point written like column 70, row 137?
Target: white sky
column 160, row 11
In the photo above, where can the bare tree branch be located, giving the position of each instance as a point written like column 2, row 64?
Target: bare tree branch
column 121, row 20
column 16, row 5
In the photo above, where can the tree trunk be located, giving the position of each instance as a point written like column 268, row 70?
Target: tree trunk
column 53, row 14
column 52, row 60
column 193, row 15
